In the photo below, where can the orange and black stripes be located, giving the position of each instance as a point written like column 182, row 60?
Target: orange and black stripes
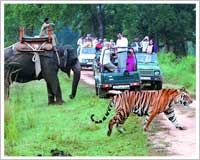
column 148, row 103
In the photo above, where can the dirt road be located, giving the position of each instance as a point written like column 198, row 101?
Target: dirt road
column 164, row 138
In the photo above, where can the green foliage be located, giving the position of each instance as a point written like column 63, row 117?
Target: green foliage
column 167, row 58
column 171, row 25
column 10, row 125
column 32, row 127
column 179, row 71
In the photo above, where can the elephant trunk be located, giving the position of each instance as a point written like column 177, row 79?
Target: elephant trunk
column 76, row 77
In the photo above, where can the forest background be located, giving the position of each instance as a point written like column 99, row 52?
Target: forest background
column 172, row 26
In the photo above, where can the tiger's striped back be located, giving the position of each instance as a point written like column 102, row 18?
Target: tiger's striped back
column 148, row 103
column 142, row 102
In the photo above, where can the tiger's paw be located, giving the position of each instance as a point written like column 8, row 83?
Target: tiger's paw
column 108, row 133
column 181, row 128
column 145, row 129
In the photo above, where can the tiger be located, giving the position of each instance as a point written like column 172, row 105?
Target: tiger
column 148, row 103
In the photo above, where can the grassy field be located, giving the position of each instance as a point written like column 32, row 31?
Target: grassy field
column 32, row 127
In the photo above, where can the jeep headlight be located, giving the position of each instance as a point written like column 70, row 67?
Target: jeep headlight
column 157, row 73
column 82, row 60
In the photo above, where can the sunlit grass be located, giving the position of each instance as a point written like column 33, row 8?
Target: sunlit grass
column 32, row 127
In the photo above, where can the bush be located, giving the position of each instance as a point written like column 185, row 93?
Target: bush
column 178, row 71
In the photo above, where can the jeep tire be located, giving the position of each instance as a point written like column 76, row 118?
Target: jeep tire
column 96, row 89
column 102, row 93
column 135, row 88
column 158, row 85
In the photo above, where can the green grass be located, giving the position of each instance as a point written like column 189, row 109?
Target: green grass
column 32, row 127
column 180, row 72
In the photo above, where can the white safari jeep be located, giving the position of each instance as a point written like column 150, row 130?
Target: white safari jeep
column 86, row 56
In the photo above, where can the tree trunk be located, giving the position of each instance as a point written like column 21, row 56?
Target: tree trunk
column 100, row 18
column 93, row 17
column 171, row 48
column 166, row 46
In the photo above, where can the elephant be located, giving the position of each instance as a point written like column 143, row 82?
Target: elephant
column 19, row 67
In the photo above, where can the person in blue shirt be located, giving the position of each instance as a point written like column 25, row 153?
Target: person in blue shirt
column 136, row 45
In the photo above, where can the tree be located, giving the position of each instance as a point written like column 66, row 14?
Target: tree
column 171, row 25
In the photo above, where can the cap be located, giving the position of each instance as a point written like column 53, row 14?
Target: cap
column 146, row 37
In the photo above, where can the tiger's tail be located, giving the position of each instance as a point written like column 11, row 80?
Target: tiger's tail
column 105, row 116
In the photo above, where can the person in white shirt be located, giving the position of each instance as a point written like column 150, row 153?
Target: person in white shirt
column 80, row 41
column 80, row 44
column 144, row 44
column 105, row 58
column 122, row 56
column 112, row 43
column 94, row 42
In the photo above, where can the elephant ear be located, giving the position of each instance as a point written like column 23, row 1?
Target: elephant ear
column 70, row 58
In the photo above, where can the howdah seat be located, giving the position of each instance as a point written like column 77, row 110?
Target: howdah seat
column 37, row 44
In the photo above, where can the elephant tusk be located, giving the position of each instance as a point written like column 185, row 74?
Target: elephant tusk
column 58, row 58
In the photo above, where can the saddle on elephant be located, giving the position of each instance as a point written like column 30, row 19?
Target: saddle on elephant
column 36, row 44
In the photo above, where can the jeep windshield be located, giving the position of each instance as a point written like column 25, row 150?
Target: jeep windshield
column 146, row 58
column 88, row 51
column 114, row 52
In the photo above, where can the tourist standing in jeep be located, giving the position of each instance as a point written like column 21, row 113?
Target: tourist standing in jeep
column 152, row 47
column 105, row 58
column 144, row 44
column 122, row 44
column 136, row 45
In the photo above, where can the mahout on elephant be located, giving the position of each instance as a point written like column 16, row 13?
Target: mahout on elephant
column 22, row 67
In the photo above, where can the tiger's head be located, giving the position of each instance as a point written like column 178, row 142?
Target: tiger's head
column 184, row 97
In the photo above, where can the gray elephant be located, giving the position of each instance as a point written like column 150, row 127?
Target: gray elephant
column 19, row 67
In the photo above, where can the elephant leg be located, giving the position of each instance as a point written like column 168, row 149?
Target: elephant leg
column 50, row 95
column 58, row 95
column 6, row 90
column 54, row 91
column 6, row 85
